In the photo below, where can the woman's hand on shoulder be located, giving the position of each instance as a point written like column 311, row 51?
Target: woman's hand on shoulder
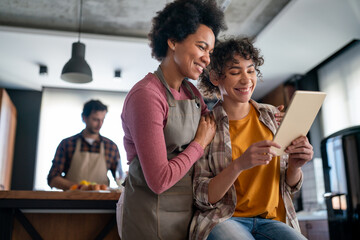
column 206, row 130
column 279, row 116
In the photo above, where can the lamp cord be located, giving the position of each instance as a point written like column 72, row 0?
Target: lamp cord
column 80, row 20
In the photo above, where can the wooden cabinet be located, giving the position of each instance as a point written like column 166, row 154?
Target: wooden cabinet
column 281, row 95
column 315, row 229
column 7, row 138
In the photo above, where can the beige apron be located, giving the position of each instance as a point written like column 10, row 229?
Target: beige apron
column 88, row 166
column 166, row 216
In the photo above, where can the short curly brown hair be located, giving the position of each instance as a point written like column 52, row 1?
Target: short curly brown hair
column 181, row 18
column 224, row 52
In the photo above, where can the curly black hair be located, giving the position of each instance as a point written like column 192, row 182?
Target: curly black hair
column 181, row 18
column 224, row 52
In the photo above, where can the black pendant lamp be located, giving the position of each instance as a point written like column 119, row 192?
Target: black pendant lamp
column 76, row 70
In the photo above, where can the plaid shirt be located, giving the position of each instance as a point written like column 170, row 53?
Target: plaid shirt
column 66, row 149
column 217, row 156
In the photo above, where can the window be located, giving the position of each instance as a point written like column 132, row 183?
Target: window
column 60, row 117
column 340, row 79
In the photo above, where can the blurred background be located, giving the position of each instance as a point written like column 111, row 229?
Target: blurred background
column 307, row 45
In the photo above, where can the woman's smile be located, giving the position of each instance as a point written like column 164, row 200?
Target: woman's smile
column 199, row 68
column 243, row 91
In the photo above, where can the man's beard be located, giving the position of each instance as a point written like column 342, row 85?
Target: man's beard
column 91, row 131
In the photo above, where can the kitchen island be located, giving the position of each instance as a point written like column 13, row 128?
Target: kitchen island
column 58, row 215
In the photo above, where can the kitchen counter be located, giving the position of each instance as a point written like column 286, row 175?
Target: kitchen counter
column 312, row 215
column 60, row 195
column 58, row 215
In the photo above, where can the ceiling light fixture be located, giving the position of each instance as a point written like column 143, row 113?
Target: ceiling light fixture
column 77, row 70
column 117, row 73
column 43, row 71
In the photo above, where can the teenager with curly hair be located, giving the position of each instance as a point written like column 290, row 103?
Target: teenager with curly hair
column 242, row 189
column 166, row 123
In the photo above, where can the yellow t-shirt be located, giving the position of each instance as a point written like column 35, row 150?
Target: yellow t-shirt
column 257, row 189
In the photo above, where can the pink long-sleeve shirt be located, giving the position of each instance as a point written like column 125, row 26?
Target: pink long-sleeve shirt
column 144, row 117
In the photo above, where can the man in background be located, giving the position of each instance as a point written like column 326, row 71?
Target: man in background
column 87, row 155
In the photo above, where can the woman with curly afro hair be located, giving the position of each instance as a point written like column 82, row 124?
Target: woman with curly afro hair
column 242, row 189
column 166, row 123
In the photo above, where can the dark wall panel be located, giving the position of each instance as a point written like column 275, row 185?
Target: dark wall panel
column 27, row 104
column 310, row 83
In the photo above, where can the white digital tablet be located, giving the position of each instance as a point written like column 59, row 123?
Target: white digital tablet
column 299, row 116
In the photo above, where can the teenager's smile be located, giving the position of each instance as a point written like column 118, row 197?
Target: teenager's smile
column 244, row 91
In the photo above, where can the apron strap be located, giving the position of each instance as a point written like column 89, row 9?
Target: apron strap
column 78, row 145
column 169, row 95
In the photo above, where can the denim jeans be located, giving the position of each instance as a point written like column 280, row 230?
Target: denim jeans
column 253, row 228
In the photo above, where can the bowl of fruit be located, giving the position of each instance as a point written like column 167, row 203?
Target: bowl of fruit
column 88, row 186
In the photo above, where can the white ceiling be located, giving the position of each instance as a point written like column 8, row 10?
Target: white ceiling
column 301, row 36
column 26, row 49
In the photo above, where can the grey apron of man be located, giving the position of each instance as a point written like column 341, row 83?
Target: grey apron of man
column 89, row 166
column 166, row 216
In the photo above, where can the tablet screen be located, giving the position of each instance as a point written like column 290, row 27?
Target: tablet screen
column 298, row 118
